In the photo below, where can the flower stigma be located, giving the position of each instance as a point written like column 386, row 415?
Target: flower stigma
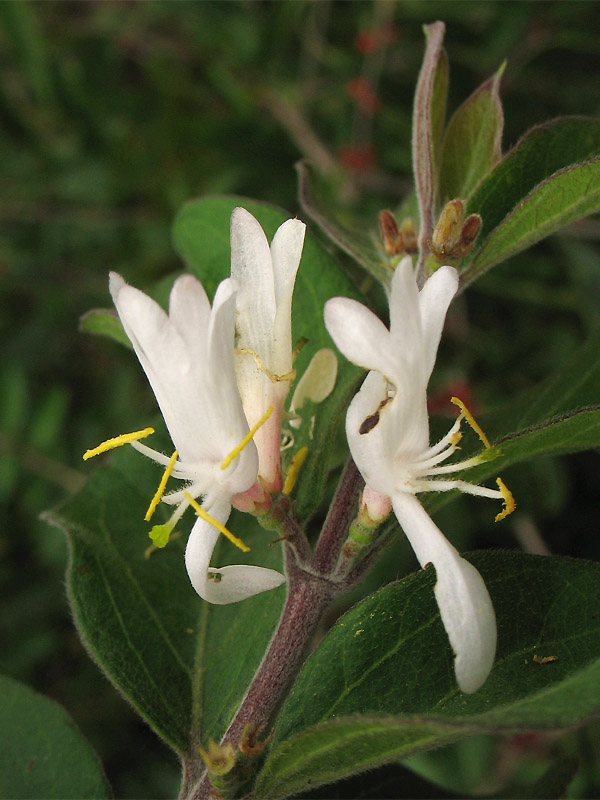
column 246, row 440
column 215, row 523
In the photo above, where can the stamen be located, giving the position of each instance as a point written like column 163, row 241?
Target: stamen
column 161, row 487
column 474, row 461
column 117, row 441
column 272, row 376
column 246, row 440
column 294, row 469
column 471, row 420
column 509, row 501
column 445, row 440
column 215, row 523
column 436, row 485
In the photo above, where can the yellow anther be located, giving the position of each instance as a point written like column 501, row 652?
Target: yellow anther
column 110, row 444
column 161, row 487
column 508, row 499
column 246, row 440
column 471, row 421
column 215, row 523
column 455, row 439
column 272, row 376
column 294, row 469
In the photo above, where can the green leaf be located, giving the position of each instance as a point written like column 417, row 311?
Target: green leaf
column 359, row 242
column 201, row 236
column 473, row 141
column 560, row 415
column 381, row 684
column 42, row 753
column 565, row 197
column 185, row 665
column 543, row 151
column 104, row 322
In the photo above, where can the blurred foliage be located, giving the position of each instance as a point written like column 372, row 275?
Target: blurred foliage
column 114, row 114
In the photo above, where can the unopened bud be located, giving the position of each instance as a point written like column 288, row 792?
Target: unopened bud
column 397, row 241
column 470, row 231
column 447, row 231
column 454, row 235
column 373, row 509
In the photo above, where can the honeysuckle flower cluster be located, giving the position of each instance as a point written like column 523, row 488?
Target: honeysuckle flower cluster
column 387, row 427
column 224, row 418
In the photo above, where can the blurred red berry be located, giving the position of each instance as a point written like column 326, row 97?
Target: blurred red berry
column 362, row 93
column 356, row 158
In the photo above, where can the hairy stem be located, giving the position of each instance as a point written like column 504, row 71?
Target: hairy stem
column 341, row 514
column 308, row 596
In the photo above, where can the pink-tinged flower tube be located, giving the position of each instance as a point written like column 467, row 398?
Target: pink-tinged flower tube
column 265, row 276
column 187, row 356
column 387, row 427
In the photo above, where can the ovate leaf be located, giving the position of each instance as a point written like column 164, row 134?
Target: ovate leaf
column 541, row 153
column 564, row 197
column 381, row 684
column 42, row 753
column 473, row 141
column 184, row 664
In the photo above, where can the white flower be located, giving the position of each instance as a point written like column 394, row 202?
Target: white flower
column 265, row 277
column 387, row 427
column 187, row 356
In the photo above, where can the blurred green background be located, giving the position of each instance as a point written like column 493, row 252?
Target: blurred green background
column 112, row 115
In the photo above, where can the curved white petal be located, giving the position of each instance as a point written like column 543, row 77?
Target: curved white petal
column 372, row 451
column 463, row 600
column 434, row 300
column 232, row 583
column 359, row 334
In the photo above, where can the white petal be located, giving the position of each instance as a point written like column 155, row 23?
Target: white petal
column 222, row 411
column 286, row 251
column 237, row 582
column 163, row 354
column 360, row 335
column 317, row 381
column 189, row 312
column 372, row 451
column 463, row 600
column 252, row 269
column 434, row 299
column 405, row 319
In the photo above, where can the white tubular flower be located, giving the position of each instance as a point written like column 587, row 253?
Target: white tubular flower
column 387, row 427
column 265, row 277
column 187, row 356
